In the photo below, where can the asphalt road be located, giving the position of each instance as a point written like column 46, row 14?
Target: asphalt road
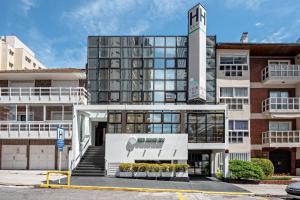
column 26, row 193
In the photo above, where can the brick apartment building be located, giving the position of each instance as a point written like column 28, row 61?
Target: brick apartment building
column 271, row 103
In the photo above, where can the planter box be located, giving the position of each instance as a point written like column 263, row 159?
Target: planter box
column 125, row 174
column 167, row 174
column 140, row 174
column 181, row 174
column 153, row 174
column 277, row 182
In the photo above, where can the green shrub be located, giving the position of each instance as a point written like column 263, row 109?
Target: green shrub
column 139, row 167
column 219, row 174
column 125, row 167
column 181, row 167
column 152, row 168
column 167, row 167
column 265, row 164
column 245, row 170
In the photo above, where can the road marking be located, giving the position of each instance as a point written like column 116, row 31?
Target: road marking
column 180, row 196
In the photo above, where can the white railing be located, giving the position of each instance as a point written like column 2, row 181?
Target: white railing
column 71, row 94
column 285, row 138
column 32, row 130
column 280, row 71
column 281, row 104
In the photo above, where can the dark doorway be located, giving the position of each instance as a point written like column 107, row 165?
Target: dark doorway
column 281, row 160
column 199, row 163
column 100, row 133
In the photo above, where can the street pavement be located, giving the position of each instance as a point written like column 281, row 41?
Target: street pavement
column 26, row 193
column 195, row 184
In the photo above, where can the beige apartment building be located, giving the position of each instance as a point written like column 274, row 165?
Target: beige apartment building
column 15, row 55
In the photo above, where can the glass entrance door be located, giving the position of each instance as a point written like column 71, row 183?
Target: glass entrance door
column 199, row 163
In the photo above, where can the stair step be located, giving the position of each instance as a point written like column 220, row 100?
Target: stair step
column 88, row 171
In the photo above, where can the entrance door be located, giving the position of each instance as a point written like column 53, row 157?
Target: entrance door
column 100, row 133
column 199, row 163
column 281, row 160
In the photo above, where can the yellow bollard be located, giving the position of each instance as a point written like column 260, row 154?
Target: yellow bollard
column 68, row 173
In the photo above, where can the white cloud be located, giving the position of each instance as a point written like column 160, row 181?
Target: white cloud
column 259, row 24
column 248, row 4
column 50, row 53
column 277, row 36
column 122, row 16
column 26, row 5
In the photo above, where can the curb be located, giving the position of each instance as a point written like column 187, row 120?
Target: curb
column 55, row 186
column 20, row 185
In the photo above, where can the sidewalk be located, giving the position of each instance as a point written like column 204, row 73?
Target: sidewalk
column 264, row 189
column 24, row 177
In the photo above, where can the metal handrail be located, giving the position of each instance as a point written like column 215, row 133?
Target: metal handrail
column 281, row 103
column 280, row 71
column 33, row 126
column 292, row 136
column 43, row 91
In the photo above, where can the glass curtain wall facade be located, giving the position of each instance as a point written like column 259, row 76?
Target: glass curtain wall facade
column 151, row 70
column 137, row 70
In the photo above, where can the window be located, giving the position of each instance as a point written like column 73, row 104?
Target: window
column 233, row 65
column 11, row 52
column 279, row 62
column 27, row 59
column 234, row 97
column 278, row 94
column 10, row 65
column 279, row 126
column 238, row 129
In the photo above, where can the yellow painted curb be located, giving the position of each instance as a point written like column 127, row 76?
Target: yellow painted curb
column 180, row 196
column 139, row 189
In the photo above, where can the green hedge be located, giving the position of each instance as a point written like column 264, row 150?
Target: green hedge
column 265, row 164
column 150, row 167
column 245, row 170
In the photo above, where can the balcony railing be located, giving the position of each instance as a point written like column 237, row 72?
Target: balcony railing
column 281, row 105
column 43, row 94
column 281, row 72
column 281, row 138
column 33, row 130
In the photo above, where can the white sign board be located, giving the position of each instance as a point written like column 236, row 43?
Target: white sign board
column 197, row 53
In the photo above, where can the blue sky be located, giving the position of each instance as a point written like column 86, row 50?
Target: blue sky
column 57, row 30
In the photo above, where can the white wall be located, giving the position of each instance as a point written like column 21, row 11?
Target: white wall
column 118, row 149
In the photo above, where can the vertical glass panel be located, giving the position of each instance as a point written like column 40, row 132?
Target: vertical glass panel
column 93, row 63
column 126, row 53
column 181, row 63
column 148, row 52
column 115, row 41
column 104, row 52
column 182, row 52
column 159, row 63
column 181, row 74
column 115, row 85
column 115, row 63
column 52, row 113
column 93, row 41
column 93, row 53
column 181, row 41
column 137, row 74
column 148, row 85
column 159, row 85
column 159, row 41
column 159, row 52
column 8, row 112
column 171, row 41
column 170, row 52
column 158, row 96
column 137, row 85
column 181, row 85
column 103, row 41
column 36, row 113
column 170, row 85
column 148, row 63
column 104, row 63
column 170, row 63
column 148, row 96
column 159, row 74
column 170, row 74
column 115, row 52
column 137, row 52
column 137, row 63
column 103, row 74
column 148, row 41
column 148, row 74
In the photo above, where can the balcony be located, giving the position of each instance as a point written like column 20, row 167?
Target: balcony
column 33, row 130
column 277, row 74
column 76, row 95
column 281, row 105
column 281, row 138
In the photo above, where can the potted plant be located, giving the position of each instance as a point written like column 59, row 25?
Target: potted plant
column 139, row 170
column 125, row 170
column 167, row 170
column 181, row 170
column 153, row 170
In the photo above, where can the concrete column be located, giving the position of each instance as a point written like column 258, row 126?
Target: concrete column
column 225, row 164
column 212, row 164
column 44, row 113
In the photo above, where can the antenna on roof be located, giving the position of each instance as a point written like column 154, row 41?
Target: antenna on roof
column 244, row 38
column 298, row 41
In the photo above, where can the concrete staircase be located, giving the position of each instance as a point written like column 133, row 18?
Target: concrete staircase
column 92, row 163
